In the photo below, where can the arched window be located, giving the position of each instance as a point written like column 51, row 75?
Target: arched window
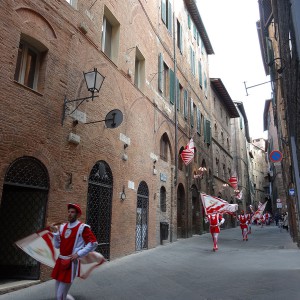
column 163, row 197
column 164, row 147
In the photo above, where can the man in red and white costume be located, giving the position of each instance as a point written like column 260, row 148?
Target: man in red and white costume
column 215, row 221
column 243, row 219
column 75, row 240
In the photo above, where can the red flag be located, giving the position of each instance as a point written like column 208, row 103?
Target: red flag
column 260, row 210
column 213, row 204
column 233, row 182
column 187, row 155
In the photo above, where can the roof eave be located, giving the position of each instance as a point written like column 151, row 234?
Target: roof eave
column 193, row 10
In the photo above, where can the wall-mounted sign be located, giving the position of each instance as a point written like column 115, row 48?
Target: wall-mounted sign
column 163, row 177
column 292, row 192
column 275, row 156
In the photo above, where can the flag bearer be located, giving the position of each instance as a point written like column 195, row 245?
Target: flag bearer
column 215, row 221
column 243, row 219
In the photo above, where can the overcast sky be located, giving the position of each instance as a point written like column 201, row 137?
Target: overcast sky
column 231, row 27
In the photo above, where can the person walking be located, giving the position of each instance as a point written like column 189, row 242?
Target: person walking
column 243, row 219
column 74, row 240
column 286, row 221
column 215, row 221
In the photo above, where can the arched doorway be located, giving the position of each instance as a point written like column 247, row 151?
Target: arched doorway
column 181, row 212
column 22, row 212
column 142, row 217
column 99, row 205
column 196, row 218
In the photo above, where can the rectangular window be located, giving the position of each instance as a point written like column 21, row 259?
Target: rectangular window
column 179, row 37
column 192, row 60
column 139, row 74
column 189, row 21
column 166, row 76
column 194, row 31
column 110, row 35
column 72, row 2
column 198, row 121
column 172, row 86
column 28, row 63
column 207, row 133
column 205, row 85
column 167, row 14
column 192, row 113
column 160, row 73
column 179, row 95
column 200, row 73
column 185, row 104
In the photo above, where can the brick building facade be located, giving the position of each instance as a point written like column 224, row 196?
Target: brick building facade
column 45, row 164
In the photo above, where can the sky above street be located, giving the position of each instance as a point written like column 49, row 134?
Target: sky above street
column 231, row 27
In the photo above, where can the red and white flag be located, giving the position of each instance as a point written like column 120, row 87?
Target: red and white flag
column 260, row 210
column 233, row 182
column 188, row 152
column 40, row 247
column 213, row 204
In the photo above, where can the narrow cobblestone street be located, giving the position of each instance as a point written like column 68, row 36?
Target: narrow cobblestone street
column 265, row 267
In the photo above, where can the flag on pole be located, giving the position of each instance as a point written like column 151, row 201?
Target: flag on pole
column 259, row 212
column 213, row 204
column 188, row 152
column 40, row 247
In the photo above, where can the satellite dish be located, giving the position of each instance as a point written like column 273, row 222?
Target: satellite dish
column 114, row 118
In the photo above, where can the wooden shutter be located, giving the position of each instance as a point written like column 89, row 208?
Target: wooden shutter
column 200, row 73
column 185, row 105
column 198, row 121
column 172, row 85
column 160, row 72
column 181, row 41
column 178, row 95
column 170, row 16
column 208, row 132
column 192, row 113
column 164, row 11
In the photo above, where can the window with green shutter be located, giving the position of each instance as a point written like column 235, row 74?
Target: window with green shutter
column 198, row 121
column 208, row 132
column 198, row 38
column 172, row 86
column 185, row 104
column 179, row 93
column 192, row 113
column 205, row 85
column 200, row 73
column 164, row 11
column 189, row 21
column 167, row 14
column 160, row 73
column 195, row 31
column 179, row 37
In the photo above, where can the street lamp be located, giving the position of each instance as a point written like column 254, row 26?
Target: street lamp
column 94, row 81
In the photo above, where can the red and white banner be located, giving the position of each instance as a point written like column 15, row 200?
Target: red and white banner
column 187, row 154
column 40, row 247
column 260, row 210
column 213, row 204
column 239, row 195
column 233, row 182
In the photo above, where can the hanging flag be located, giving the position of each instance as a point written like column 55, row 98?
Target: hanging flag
column 187, row 155
column 260, row 210
column 239, row 195
column 213, row 204
column 233, row 182
column 40, row 247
